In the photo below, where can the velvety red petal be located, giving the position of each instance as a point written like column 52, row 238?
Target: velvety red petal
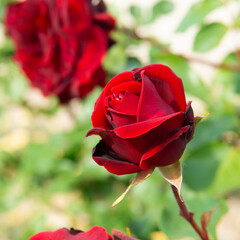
column 116, row 147
column 138, row 129
column 80, row 14
column 132, row 87
column 118, row 79
column 168, row 85
column 161, row 132
column 20, row 18
column 120, row 119
column 127, row 105
column 98, row 79
column 151, row 105
column 98, row 115
column 90, row 61
column 96, row 233
column 167, row 152
column 112, row 164
column 105, row 21
column 189, row 120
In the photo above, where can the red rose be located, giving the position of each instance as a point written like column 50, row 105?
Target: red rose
column 60, row 44
column 96, row 233
column 143, row 120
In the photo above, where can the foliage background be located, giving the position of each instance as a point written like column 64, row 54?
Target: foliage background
column 47, row 177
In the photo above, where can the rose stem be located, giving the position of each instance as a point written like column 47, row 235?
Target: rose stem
column 186, row 214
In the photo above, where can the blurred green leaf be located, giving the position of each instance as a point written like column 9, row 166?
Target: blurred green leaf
column 200, row 167
column 197, row 13
column 191, row 81
column 227, row 82
column 227, row 176
column 209, row 36
column 14, row 90
column 211, row 130
column 133, row 62
column 6, row 49
column 162, row 7
column 135, row 11
column 115, row 60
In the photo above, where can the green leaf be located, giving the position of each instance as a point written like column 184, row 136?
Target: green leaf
column 200, row 167
column 227, row 177
column 209, row 37
column 191, row 81
column 211, row 130
column 132, row 62
column 135, row 11
column 227, row 81
column 162, row 7
column 197, row 13
column 115, row 60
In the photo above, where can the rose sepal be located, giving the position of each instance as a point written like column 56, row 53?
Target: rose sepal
column 197, row 119
column 140, row 176
column 173, row 174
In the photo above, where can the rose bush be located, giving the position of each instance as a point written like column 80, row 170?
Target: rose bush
column 96, row 233
column 143, row 120
column 60, row 44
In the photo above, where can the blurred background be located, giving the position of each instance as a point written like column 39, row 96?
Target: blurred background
column 48, row 179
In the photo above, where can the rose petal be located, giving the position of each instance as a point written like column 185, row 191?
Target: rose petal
column 98, row 115
column 116, row 147
column 118, row 235
column 120, row 119
column 168, row 85
column 151, row 105
column 117, row 80
column 132, row 87
column 162, row 131
column 127, row 105
column 105, row 20
column 96, row 233
column 189, row 119
column 95, row 50
column 165, row 153
column 138, row 129
column 112, row 164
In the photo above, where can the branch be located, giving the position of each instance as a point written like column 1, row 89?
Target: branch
column 187, row 215
column 163, row 48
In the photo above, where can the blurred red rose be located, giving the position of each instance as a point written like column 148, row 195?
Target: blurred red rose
column 60, row 44
column 96, row 233
column 143, row 120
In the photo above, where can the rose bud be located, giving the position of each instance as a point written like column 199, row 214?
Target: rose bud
column 60, row 45
column 96, row 233
column 143, row 120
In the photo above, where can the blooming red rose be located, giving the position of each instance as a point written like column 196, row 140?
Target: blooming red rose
column 96, row 233
column 143, row 120
column 60, row 44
